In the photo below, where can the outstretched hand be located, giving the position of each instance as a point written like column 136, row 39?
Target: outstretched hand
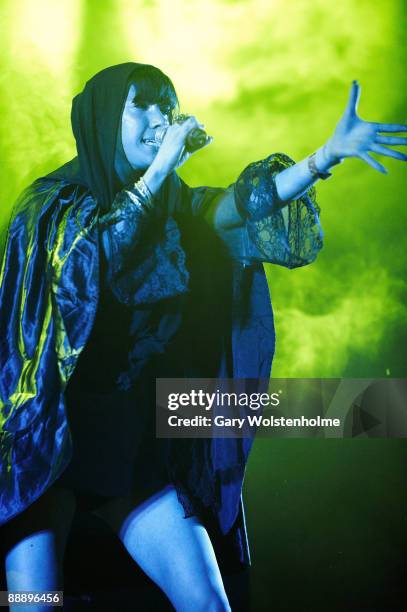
column 354, row 137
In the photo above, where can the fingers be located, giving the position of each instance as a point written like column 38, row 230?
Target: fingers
column 372, row 162
column 354, row 97
column 391, row 140
column 180, row 130
column 178, row 134
column 390, row 127
column 189, row 123
column 376, row 148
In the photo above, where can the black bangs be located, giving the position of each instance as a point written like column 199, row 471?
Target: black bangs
column 154, row 87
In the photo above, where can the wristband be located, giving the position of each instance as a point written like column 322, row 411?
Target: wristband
column 314, row 170
column 144, row 192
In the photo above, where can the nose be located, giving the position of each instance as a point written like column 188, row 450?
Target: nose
column 156, row 117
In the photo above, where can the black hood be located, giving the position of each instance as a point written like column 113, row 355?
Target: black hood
column 96, row 116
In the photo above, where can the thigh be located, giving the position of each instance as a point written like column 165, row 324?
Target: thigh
column 173, row 551
column 35, row 542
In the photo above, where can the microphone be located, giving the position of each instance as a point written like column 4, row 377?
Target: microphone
column 195, row 139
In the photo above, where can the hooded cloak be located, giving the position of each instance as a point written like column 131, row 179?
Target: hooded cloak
column 50, row 288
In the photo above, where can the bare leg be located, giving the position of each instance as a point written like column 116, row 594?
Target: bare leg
column 173, row 551
column 36, row 542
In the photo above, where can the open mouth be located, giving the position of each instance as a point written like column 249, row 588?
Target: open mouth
column 149, row 142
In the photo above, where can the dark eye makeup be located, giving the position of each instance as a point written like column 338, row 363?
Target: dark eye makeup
column 165, row 108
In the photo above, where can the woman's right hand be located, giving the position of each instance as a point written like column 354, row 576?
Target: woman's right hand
column 172, row 153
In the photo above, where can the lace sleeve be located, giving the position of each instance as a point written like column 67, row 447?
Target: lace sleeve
column 145, row 261
column 293, row 242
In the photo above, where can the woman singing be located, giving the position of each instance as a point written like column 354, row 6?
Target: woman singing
column 117, row 273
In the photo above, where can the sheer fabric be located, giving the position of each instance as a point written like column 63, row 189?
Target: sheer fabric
column 50, row 286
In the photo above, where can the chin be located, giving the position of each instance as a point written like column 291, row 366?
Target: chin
column 144, row 163
column 141, row 165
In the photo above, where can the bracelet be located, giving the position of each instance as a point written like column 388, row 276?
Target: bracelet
column 147, row 198
column 136, row 200
column 314, row 170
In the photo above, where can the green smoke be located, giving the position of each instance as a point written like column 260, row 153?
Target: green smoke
column 263, row 76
